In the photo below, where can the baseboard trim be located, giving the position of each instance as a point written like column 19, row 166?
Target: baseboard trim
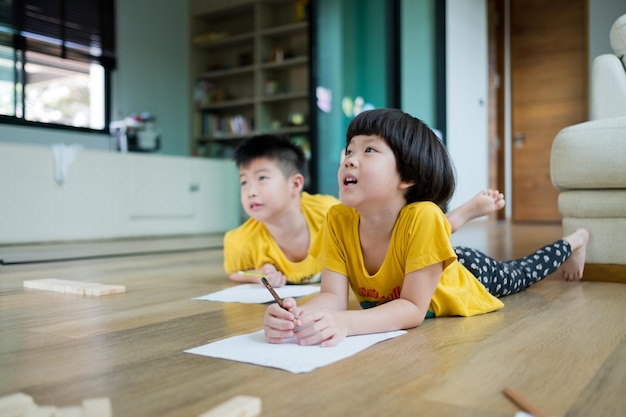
column 605, row 272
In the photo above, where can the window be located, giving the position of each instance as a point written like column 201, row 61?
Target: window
column 56, row 57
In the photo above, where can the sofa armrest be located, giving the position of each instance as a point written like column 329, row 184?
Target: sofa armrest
column 590, row 155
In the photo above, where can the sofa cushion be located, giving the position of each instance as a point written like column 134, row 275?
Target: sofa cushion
column 607, row 238
column 590, row 155
column 600, row 203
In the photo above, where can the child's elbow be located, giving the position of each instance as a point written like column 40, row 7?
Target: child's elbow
column 417, row 321
column 414, row 320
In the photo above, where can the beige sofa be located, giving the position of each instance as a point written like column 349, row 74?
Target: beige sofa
column 588, row 166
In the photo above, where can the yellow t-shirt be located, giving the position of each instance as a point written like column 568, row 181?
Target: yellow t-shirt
column 420, row 237
column 250, row 245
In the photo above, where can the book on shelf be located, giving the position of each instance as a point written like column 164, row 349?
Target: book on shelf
column 214, row 125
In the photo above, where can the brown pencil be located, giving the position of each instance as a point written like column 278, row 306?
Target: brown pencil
column 276, row 297
column 523, row 403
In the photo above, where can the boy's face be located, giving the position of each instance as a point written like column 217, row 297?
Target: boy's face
column 265, row 192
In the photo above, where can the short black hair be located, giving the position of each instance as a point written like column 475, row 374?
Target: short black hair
column 421, row 157
column 288, row 156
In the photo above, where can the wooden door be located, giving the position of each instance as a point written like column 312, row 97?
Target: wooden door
column 548, row 92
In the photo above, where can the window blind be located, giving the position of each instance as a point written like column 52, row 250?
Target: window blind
column 81, row 30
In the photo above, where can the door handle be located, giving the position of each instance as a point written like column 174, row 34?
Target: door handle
column 519, row 138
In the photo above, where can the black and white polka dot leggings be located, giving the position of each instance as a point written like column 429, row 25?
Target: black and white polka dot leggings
column 504, row 278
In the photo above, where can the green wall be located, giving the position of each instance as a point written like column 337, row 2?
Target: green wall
column 352, row 62
column 153, row 71
column 418, row 95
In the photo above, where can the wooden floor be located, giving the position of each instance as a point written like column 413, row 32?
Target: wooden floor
column 560, row 344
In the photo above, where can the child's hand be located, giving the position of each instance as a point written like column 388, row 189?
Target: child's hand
column 323, row 327
column 280, row 323
column 273, row 276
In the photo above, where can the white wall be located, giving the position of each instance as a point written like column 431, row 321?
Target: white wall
column 25, row 134
column 602, row 15
column 466, row 96
column 111, row 195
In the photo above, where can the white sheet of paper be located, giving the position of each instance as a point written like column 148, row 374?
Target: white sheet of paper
column 258, row 294
column 252, row 348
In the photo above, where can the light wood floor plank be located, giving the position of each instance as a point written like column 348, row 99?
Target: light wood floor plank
column 601, row 394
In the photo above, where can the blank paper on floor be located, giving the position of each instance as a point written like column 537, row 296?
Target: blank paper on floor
column 258, row 294
column 252, row 348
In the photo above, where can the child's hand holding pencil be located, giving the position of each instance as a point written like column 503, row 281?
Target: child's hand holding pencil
column 280, row 318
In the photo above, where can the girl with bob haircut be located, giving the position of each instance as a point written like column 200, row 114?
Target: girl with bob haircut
column 389, row 242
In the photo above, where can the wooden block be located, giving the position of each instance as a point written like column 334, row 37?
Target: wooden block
column 18, row 410
column 74, row 287
column 97, row 407
column 42, row 411
column 69, row 412
column 19, row 398
column 16, row 405
column 239, row 406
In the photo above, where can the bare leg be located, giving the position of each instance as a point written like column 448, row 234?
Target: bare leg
column 572, row 269
column 483, row 203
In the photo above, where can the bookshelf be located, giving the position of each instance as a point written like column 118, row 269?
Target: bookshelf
column 250, row 64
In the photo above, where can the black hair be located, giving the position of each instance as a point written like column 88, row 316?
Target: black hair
column 288, row 156
column 421, row 157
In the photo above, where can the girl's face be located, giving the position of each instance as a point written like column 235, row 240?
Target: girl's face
column 368, row 174
column 265, row 191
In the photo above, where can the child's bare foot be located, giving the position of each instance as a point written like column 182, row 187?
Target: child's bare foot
column 572, row 269
column 485, row 202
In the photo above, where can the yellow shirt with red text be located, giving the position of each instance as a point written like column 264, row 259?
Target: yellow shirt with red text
column 420, row 238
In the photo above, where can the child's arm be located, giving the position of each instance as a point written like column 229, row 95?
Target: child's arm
column 269, row 271
column 328, row 327
column 251, row 275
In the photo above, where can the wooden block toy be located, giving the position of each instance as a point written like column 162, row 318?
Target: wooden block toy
column 16, row 405
column 239, row 406
column 97, row 407
column 69, row 412
column 74, row 287
column 22, row 405
column 42, row 411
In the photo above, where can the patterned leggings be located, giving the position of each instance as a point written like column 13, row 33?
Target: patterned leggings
column 504, row 278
